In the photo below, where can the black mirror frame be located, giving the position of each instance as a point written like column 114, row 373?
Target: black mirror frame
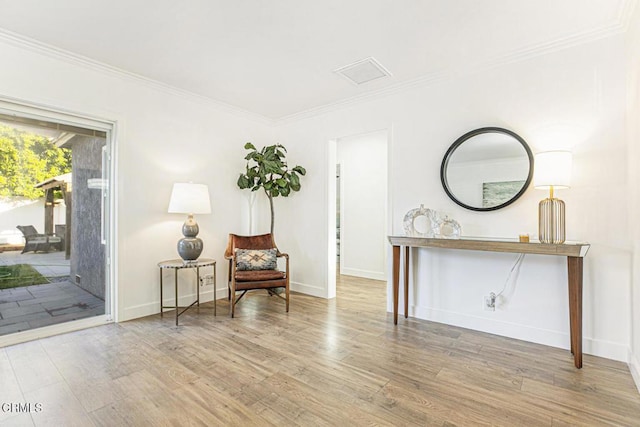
column 471, row 134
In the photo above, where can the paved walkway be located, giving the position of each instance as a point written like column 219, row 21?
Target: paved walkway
column 35, row 306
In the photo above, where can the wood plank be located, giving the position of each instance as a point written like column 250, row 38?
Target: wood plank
column 326, row 362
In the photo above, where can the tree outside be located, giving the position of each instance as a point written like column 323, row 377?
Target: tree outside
column 27, row 159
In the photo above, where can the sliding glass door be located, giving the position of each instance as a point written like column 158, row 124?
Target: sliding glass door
column 55, row 228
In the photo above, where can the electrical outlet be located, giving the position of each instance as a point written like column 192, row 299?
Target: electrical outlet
column 206, row 280
column 489, row 302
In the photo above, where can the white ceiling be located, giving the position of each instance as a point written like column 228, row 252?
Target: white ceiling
column 276, row 58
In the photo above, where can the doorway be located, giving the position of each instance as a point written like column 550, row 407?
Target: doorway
column 358, row 226
column 55, row 223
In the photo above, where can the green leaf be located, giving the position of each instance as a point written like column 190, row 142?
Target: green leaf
column 243, row 182
column 267, row 169
column 272, row 166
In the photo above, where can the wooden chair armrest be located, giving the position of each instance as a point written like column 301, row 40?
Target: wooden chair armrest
column 286, row 257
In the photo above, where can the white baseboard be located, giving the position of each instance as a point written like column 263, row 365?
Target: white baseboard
column 148, row 309
column 151, row 308
column 312, row 290
column 634, row 367
column 375, row 275
column 606, row 349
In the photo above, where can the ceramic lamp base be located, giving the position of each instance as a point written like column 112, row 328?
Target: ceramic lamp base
column 551, row 224
column 190, row 246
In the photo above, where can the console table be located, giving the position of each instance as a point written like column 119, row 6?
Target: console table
column 574, row 251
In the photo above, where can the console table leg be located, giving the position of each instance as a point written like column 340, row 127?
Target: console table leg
column 161, row 303
column 396, row 282
column 574, row 270
column 406, row 282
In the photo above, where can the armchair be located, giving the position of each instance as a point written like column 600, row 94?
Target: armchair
column 252, row 265
column 35, row 241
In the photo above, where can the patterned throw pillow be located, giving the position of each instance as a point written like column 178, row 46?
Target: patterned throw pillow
column 256, row 259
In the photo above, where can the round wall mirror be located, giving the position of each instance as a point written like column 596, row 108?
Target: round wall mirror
column 487, row 169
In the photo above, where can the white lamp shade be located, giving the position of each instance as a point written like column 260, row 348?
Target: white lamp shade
column 190, row 199
column 552, row 168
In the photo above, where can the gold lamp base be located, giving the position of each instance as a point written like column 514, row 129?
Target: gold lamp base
column 551, row 226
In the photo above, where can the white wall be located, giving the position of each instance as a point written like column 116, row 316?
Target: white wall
column 20, row 211
column 23, row 211
column 363, row 225
column 570, row 99
column 163, row 136
column 633, row 142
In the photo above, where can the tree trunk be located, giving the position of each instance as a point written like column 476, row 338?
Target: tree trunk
column 272, row 214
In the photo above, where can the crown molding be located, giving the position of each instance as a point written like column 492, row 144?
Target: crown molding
column 425, row 80
column 50, row 51
column 619, row 25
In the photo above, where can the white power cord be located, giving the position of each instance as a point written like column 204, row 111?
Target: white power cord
column 515, row 268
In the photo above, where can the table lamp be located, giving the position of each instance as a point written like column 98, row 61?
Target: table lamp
column 191, row 199
column 552, row 172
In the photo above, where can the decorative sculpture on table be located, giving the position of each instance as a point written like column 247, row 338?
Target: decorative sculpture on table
column 437, row 225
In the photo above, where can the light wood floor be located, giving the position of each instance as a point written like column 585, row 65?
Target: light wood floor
column 333, row 363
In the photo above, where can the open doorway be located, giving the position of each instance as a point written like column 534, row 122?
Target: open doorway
column 54, row 223
column 359, row 207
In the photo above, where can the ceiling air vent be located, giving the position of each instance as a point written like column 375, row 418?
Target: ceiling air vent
column 363, row 71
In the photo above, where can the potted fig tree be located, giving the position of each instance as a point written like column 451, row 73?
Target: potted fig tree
column 267, row 169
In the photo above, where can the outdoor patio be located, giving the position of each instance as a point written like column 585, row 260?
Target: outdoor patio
column 29, row 307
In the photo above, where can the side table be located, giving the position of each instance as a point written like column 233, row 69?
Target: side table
column 179, row 264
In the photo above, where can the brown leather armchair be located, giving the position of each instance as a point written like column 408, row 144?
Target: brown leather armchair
column 242, row 279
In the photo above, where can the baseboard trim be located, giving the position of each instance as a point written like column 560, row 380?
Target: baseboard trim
column 634, row 367
column 367, row 274
column 600, row 348
column 151, row 308
column 303, row 288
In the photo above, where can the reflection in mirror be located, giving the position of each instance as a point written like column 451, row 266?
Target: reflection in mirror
column 487, row 169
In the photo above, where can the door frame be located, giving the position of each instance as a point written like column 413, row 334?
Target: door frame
column 331, row 204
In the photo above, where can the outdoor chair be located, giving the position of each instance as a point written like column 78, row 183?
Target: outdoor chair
column 253, row 265
column 35, row 241
column 61, row 232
